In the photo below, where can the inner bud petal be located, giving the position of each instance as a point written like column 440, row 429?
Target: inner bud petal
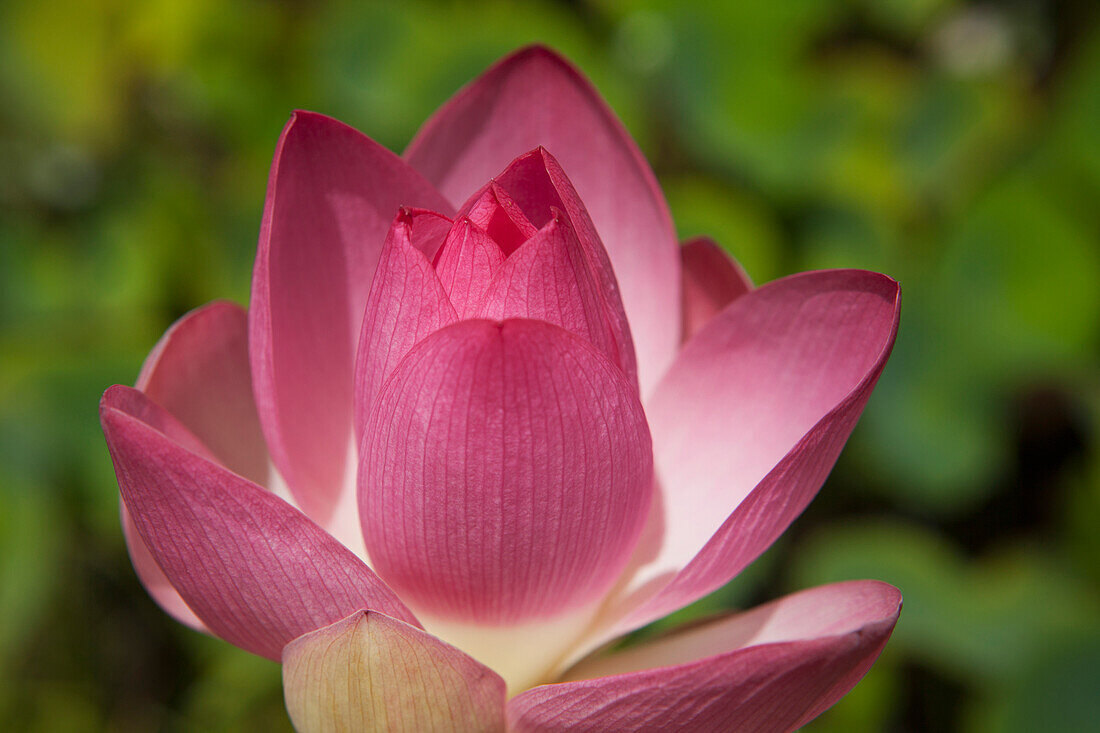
column 467, row 263
column 495, row 212
column 506, row 473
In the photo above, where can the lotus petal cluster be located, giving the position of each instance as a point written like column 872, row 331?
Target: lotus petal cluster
column 483, row 415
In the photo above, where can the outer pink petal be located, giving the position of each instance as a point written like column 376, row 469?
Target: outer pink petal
column 254, row 569
column 751, row 419
column 534, row 97
column 154, row 580
column 712, row 280
column 548, row 279
column 371, row 672
column 199, row 372
column 407, row 302
column 774, row 668
column 505, row 473
column 330, row 199
column 466, row 266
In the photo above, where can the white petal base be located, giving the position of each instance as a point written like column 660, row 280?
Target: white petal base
column 344, row 522
column 525, row 655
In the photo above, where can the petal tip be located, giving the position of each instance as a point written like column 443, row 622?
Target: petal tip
column 109, row 396
column 299, row 116
column 534, row 53
column 890, row 595
column 114, row 402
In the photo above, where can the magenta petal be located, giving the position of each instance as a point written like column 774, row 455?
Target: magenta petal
column 407, row 302
column 505, row 473
column 199, row 372
column 774, row 668
column 538, row 186
column 751, row 418
column 534, row 97
column 424, row 229
column 330, row 199
column 256, row 571
column 466, row 266
column 549, row 279
column 496, row 213
column 153, row 579
column 712, row 280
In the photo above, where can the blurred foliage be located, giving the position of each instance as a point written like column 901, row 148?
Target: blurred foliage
column 953, row 145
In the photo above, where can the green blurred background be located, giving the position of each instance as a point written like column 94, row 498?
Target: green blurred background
column 953, row 145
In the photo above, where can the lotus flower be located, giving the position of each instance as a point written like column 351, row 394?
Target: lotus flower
column 484, row 415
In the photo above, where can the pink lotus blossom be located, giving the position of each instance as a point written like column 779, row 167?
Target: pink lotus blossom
column 483, row 415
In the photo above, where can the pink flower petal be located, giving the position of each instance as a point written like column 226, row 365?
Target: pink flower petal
column 256, row 571
column 712, row 280
column 466, row 266
column 536, row 184
column 153, row 579
column 426, row 230
column 371, row 672
column 199, row 372
column 495, row 212
column 774, row 668
column 750, row 419
column 505, row 473
column 330, row 199
column 549, row 279
column 407, row 302
column 534, row 97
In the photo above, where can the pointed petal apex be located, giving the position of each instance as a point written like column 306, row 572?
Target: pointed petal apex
column 331, row 197
column 536, row 98
column 712, row 280
column 500, row 217
column 549, row 279
column 371, row 672
column 406, row 303
column 255, row 570
column 466, row 266
column 750, row 420
column 199, row 372
column 774, row 668
column 538, row 185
